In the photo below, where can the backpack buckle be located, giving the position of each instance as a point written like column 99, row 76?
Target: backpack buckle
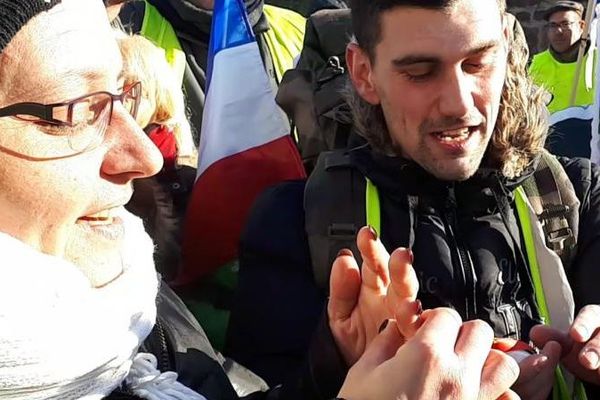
column 342, row 231
column 556, row 240
column 556, row 227
column 334, row 68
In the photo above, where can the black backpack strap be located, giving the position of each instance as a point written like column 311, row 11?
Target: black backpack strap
column 311, row 93
column 334, row 207
column 555, row 202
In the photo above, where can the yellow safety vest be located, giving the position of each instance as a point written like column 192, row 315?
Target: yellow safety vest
column 562, row 389
column 159, row 31
column 284, row 38
column 557, row 78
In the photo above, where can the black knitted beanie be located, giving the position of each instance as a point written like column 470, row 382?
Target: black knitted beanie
column 14, row 14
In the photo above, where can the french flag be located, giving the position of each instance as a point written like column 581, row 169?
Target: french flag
column 245, row 145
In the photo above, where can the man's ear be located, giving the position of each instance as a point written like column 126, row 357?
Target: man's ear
column 360, row 70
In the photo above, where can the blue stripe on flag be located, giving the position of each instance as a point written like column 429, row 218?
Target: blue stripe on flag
column 230, row 28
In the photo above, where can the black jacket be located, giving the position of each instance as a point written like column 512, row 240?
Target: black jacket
column 469, row 255
column 180, row 345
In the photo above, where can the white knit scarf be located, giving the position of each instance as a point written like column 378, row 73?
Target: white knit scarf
column 62, row 339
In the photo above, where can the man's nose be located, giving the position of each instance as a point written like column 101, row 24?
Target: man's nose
column 456, row 95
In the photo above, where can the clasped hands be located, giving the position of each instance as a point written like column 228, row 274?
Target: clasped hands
column 417, row 355
column 433, row 354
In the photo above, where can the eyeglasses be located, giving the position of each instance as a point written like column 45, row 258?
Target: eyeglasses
column 565, row 25
column 81, row 122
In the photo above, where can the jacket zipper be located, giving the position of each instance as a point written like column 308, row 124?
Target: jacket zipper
column 465, row 265
column 164, row 361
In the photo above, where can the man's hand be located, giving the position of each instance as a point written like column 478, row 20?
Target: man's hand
column 362, row 299
column 580, row 345
column 445, row 359
column 537, row 373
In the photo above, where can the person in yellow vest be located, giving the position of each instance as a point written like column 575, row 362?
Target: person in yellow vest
column 182, row 29
column 554, row 69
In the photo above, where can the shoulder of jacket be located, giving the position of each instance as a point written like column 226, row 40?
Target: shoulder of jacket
column 582, row 173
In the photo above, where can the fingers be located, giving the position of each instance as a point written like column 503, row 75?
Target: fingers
column 473, row 350
column 473, row 344
column 589, row 356
column 499, row 372
column 344, row 287
column 585, row 329
column 586, row 323
column 439, row 328
column 542, row 334
column 537, row 373
column 402, row 292
column 375, row 273
column 383, row 347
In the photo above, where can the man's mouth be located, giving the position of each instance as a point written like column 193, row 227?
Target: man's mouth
column 455, row 135
column 456, row 141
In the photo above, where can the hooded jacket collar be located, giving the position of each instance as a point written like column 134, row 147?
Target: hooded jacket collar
column 398, row 176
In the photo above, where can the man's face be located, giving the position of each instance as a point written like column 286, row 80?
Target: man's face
column 564, row 29
column 438, row 76
column 70, row 206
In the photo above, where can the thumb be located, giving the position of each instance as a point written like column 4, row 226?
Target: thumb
column 540, row 335
column 383, row 347
column 499, row 372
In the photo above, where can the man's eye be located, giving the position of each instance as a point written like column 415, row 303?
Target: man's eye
column 418, row 72
column 473, row 67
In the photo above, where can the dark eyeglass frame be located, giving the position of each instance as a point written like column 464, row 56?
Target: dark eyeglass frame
column 45, row 112
column 565, row 25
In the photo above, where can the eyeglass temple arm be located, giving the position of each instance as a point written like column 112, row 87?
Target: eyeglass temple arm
column 33, row 109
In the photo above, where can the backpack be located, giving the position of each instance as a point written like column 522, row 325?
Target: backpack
column 311, row 93
column 334, row 204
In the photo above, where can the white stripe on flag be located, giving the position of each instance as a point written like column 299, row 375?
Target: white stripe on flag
column 240, row 111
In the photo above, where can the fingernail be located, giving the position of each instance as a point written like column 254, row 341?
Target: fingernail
column 418, row 307
column 345, row 252
column 373, row 232
column 383, row 325
column 540, row 363
column 592, row 358
column 583, row 332
column 411, row 256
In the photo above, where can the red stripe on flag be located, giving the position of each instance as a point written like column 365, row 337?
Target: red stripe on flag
column 221, row 200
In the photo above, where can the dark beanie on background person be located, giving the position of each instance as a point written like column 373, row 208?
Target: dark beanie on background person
column 14, row 14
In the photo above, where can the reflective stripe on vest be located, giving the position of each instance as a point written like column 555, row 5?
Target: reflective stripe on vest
column 549, row 289
column 160, row 32
column 284, row 37
column 565, row 387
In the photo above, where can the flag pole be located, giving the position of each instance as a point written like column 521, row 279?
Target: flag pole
column 585, row 37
